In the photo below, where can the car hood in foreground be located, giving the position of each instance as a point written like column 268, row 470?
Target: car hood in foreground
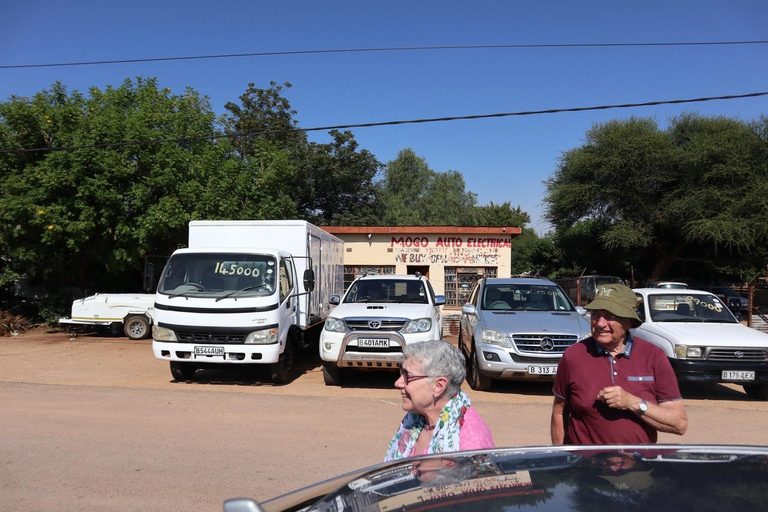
column 536, row 322
column 640, row 477
column 705, row 334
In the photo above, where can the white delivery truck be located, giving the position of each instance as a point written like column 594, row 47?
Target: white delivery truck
column 129, row 312
column 245, row 292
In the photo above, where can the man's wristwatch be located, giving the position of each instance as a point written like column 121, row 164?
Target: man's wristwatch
column 642, row 408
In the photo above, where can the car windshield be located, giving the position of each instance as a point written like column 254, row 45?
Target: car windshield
column 410, row 291
column 218, row 275
column 682, row 307
column 524, row 297
column 728, row 292
column 603, row 280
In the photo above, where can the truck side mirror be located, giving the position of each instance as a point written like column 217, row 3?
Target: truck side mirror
column 335, row 300
column 149, row 277
column 309, row 279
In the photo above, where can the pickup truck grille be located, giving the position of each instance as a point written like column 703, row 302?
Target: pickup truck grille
column 386, row 324
column 535, row 342
column 210, row 337
column 737, row 354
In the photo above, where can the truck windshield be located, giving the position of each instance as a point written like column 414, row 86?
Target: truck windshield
column 218, row 274
column 674, row 307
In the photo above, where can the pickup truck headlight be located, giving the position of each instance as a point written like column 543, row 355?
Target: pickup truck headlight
column 163, row 334
column 335, row 325
column 495, row 338
column 263, row 337
column 417, row 325
column 686, row 352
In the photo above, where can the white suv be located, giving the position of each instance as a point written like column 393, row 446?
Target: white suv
column 378, row 316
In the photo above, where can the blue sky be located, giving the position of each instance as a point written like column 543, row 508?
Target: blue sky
column 501, row 160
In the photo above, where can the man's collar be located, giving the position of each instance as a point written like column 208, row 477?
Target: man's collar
column 627, row 347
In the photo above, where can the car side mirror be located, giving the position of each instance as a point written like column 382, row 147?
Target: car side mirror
column 469, row 309
column 309, row 279
column 439, row 300
column 335, row 300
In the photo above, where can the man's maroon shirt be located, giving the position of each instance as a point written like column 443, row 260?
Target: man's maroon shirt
column 641, row 369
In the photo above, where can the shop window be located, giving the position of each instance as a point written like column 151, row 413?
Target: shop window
column 352, row 272
column 459, row 282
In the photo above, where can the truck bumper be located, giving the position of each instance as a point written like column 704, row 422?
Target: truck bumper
column 237, row 354
column 712, row 371
column 344, row 350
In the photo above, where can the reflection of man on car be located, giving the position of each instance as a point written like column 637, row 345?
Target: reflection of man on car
column 625, row 471
column 443, row 471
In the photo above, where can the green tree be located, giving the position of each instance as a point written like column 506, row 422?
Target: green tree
column 412, row 194
column 695, row 191
column 331, row 183
column 502, row 215
column 87, row 217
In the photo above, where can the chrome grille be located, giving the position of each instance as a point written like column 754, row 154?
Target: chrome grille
column 532, row 342
column 387, row 324
column 737, row 354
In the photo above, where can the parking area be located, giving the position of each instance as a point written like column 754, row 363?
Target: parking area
column 97, row 423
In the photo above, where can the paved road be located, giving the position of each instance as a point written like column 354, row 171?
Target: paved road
column 96, row 423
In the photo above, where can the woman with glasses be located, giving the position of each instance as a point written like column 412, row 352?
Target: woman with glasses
column 439, row 415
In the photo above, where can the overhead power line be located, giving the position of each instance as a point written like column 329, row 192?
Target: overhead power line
column 393, row 123
column 386, row 49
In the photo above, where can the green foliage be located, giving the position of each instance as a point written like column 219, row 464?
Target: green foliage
column 412, row 194
column 695, row 191
column 329, row 183
column 501, row 215
column 87, row 217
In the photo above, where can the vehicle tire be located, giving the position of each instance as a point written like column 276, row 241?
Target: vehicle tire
column 756, row 391
column 183, row 372
column 136, row 327
column 460, row 343
column 332, row 374
column 282, row 369
column 477, row 381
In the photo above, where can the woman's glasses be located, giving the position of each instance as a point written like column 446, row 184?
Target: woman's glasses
column 408, row 378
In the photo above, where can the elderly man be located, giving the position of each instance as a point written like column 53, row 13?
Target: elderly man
column 612, row 388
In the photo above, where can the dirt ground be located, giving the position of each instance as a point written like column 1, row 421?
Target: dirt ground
column 91, row 422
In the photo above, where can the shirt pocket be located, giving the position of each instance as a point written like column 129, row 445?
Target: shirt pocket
column 640, row 378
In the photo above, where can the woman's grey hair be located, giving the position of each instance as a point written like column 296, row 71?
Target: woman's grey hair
column 439, row 359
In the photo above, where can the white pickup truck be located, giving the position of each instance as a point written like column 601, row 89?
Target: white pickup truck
column 703, row 340
column 378, row 316
column 130, row 312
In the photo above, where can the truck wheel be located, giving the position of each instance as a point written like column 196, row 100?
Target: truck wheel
column 282, row 369
column 477, row 381
column 757, row 391
column 183, row 371
column 136, row 327
column 332, row 374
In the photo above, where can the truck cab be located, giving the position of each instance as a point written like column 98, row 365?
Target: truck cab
column 377, row 317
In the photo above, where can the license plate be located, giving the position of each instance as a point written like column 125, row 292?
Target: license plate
column 373, row 342
column 209, row 351
column 542, row 370
column 740, row 375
